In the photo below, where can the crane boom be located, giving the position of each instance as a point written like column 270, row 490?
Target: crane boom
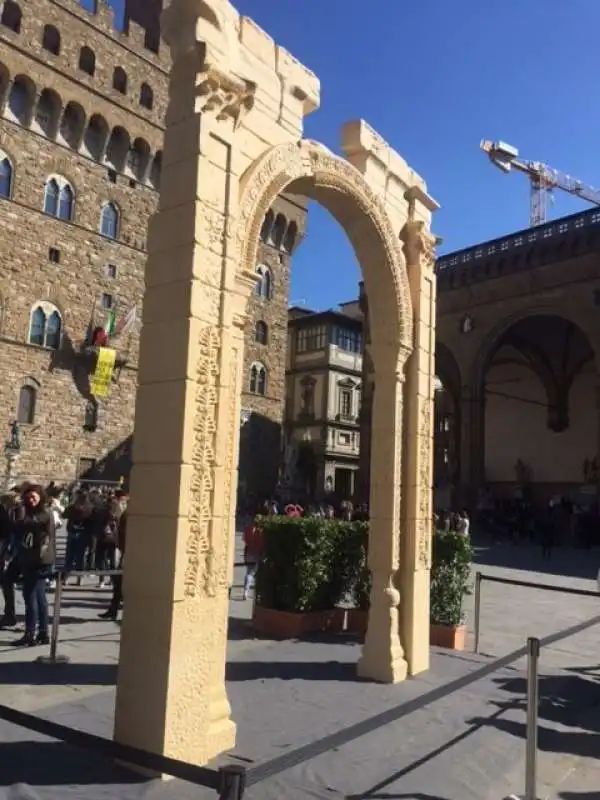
column 543, row 179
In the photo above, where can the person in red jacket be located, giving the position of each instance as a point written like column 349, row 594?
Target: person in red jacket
column 252, row 554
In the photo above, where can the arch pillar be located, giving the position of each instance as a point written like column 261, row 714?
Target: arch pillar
column 417, row 516
column 226, row 158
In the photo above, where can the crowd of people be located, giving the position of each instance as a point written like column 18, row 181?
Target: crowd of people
column 30, row 516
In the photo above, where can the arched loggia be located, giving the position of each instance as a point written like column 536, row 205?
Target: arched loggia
column 535, row 422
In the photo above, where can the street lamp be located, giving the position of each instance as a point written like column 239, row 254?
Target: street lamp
column 12, row 450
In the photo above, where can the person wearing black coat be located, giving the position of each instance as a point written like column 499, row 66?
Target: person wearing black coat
column 35, row 542
column 117, row 595
column 10, row 510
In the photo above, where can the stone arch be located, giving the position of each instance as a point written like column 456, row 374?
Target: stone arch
column 72, row 126
column 335, row 183
column 554, row 385
column 46, row 119
column 95, row 138
column 494, row 336
column 21, row 100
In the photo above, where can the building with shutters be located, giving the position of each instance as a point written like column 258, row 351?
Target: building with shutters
column 323, row 402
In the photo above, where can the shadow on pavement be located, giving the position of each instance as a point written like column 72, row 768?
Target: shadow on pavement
column 579, row 795
column 291, row 670
column 565, row 560
column 34, row 674
column 374, row 793
column 38, row 763
column 566, row 701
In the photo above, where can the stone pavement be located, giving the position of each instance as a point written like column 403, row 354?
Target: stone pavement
column 454, row 732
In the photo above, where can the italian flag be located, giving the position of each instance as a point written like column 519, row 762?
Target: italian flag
column 110, row 324
column 127, row 323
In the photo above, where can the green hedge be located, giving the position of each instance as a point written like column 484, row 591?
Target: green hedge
column 311, row 564
column 450, row 577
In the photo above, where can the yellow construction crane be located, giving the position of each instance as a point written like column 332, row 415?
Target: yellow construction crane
column 543, row 179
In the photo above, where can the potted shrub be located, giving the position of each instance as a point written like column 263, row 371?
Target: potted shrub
column 450, row 582
column 297, row 586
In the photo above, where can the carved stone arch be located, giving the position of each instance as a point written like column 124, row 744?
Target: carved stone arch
column 339, row 187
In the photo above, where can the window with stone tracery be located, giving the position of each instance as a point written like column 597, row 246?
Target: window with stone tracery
column 264, row 284
column 109, row 221
column 59, row 198
column 258, row 379
column 45, row 326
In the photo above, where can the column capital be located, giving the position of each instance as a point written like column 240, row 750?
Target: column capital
column 419, row 244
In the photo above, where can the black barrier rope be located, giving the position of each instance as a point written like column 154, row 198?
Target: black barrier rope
column 548, row 587
column 307, row 752
column 228, row 780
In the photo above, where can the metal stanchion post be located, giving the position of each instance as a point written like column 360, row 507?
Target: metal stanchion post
column 54, row 658
column 477, row 621
column 533, row 655
column 233, row 782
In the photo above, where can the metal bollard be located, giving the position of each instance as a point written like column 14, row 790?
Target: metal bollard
column 233, row 782
column 53, row 657
column 477, row 621
column 533, row 699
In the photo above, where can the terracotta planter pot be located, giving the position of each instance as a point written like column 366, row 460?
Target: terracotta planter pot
column 357, row 621
column 451, row 636
column 293, row 625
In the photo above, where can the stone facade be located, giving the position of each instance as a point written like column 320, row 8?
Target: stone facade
column 323, row 400
column 59, row 121
column 265, row 352
column 85, row 103
column 518, row 356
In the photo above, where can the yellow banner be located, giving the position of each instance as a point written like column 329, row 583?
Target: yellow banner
column 102, row 377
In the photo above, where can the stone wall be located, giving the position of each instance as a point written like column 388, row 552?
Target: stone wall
column 262, row 416
column 91, row 266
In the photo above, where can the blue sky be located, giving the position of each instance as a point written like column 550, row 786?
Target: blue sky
column 434, row 78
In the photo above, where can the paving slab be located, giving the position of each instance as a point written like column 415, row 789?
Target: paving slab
column 291, row 700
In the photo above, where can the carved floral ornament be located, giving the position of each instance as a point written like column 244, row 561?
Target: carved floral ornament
column 285, row 163
column 225, row 96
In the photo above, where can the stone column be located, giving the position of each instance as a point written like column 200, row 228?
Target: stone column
column 382, row 657
column 417, row 511
column 171, row 696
